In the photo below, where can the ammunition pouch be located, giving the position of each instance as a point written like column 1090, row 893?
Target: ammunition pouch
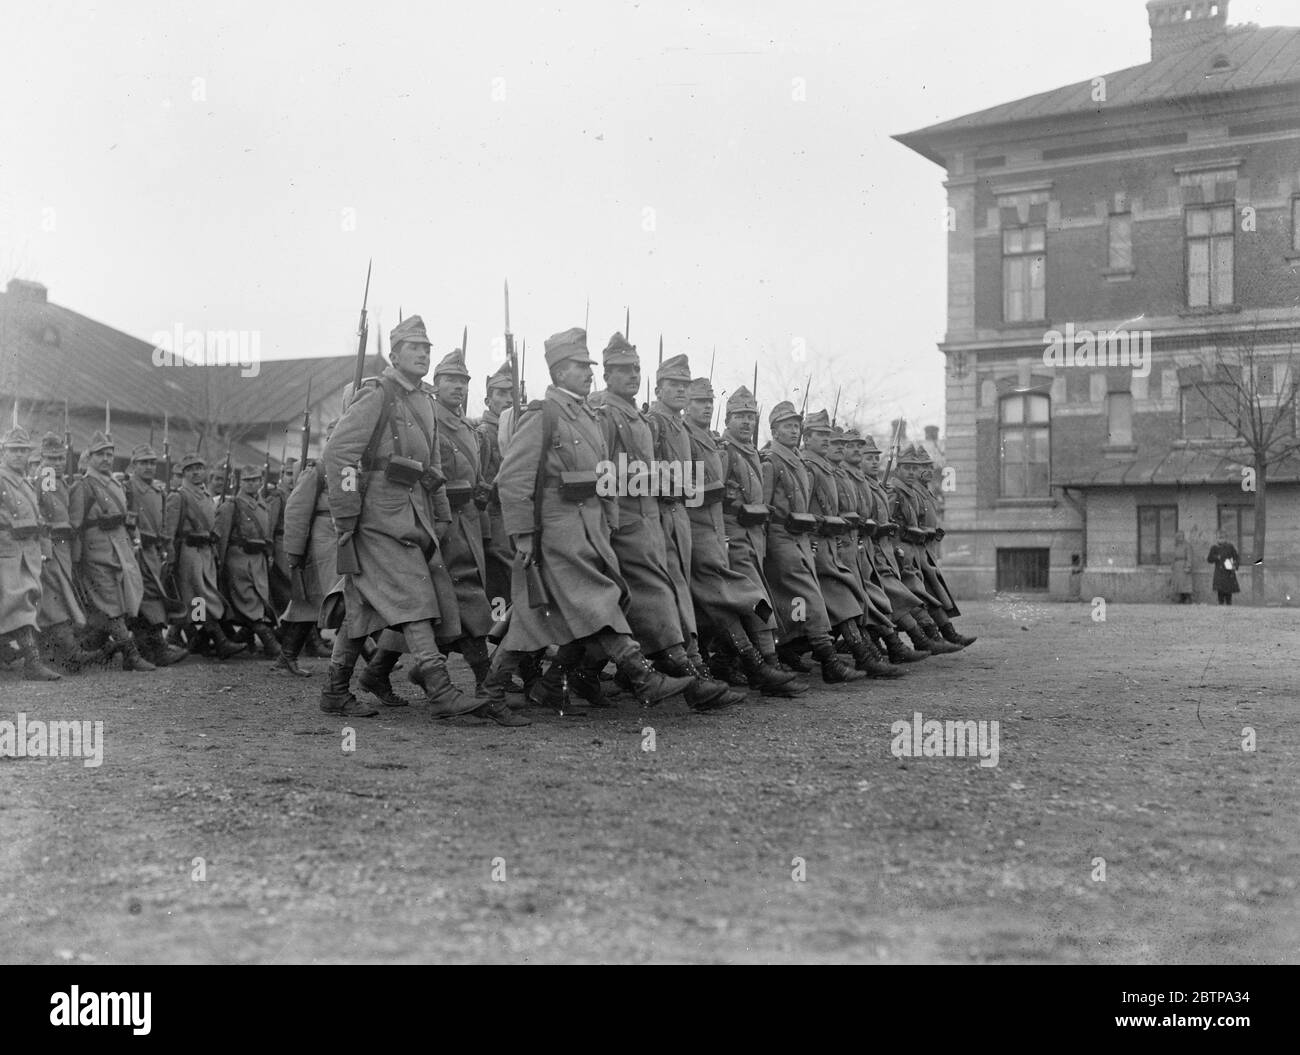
column 108, row 523
column 482, row 495
column 431, row 480
column 255, row 545
column 886, row 530
column 852, row 519
column 714, row 492
column 752, row 514
column 149, row 541
column 939, row 534
column 22, row 533
column 131, row 520
column 459, row 493
column 199, row 541
column 406, row 472
column 914, row 535
column 830, row 527
column 61, row 534
column 577, row 486
column 800, row 523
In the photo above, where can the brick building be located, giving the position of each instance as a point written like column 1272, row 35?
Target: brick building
column 1159, row 207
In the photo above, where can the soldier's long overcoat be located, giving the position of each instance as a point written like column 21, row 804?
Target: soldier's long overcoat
column 746, row 544
column 403, row 577
column 721, row 594
column 276, row 500
column 462, row 550
column 147, row 503
column 639, row 538
column 106, row 561
column 241, row 520
column 911, row 511
column 854, row 554
column 189, row 520
column 578, row 564
column 788, row 564
column 878, row 554
column 59, row 601
column 672, row 449
column 841, row 588
column 309, row 533
column 496, row 544
column 20, row 559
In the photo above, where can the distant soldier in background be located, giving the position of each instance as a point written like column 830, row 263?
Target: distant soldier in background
column 145, row 503
column 61, row 614
column 496, row 546
column 790, row 565
column 103, row 551
column 23, row 550
column 188, row 525
column 311, row 549
column 243, row 542
column 275, row 500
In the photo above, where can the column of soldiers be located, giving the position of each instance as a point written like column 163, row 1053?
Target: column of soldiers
column 711, row 567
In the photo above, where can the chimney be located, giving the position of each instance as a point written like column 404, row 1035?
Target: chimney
column 1177, row 25
column 932, row 434
column 898, row 429
column 21, row 289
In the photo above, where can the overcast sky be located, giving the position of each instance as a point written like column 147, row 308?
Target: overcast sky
column 233, row 166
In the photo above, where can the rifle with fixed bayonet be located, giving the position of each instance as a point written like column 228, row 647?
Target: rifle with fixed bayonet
column 69, row 459
column 804, row 406
column 836, row 409
column 514, row 364
column 167, row 453
column 363, row 334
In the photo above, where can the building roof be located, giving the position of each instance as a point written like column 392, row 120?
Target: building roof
column 1240, row 58
column 1181, row 466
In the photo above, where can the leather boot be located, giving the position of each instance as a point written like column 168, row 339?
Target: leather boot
column 225, row 648
column 792, row 659
column 729, row 695
column 266, row 636
column 315, row 646
column 585, row 682
column 703, row 693
column 66, row 651
column 866, row 656
column 899, row 652
column 445, row 700
column 950, row 634
column 132, row 659
column 291, row 648
column 729, row 668
column 159, row 653
column 835, row 668
column 768, row 680
column 493, row 692
column 552, row 688
column 647, row 684
column 33, row 668
column 935, row 642
column 920, row 642
column 336, row 697
column 376, row 681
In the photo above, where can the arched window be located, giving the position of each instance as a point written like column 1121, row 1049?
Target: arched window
column 1025, row 445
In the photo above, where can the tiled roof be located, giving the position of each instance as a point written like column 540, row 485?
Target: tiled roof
column 1256, row 58
column 1181, row 466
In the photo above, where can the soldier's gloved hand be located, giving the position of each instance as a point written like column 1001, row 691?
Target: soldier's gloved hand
column 524, row 547
column 345, row 525
column 482, row 494
column 440, row 530
column 295, row 561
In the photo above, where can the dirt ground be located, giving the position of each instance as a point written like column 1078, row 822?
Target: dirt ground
column 566, row 841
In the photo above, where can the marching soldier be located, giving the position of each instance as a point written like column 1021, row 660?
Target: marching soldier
column 876, row 555
column 790, row 562
column 496, row 546
column 145, row 498
column 102, row 550
column 735, row 607
column 385, row 479
column 188, row 527
column 275, row 500
column 913, row 511
column 311, row 550
column 61, row 614
column 653, row 610
column 567, row 588
column 23, row 549
column 243, row 544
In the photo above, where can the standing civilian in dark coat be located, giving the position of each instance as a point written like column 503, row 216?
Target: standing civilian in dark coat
column 1223, row 555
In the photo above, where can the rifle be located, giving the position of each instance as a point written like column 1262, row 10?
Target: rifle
column 108, row 419
column 836, row 409
column 306, row 429
column 69, row 460
column 363, row 333
column 464, row 341
column 266, row 465
column 893, row 450
column 804, row 406
column 713, row 359
column 523, row 362
column 514, row 363
column 627, row 324
column 225, row 478
column 167, row 453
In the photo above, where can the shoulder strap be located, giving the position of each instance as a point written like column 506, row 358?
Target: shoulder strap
column 387, row 420
column 550, row 417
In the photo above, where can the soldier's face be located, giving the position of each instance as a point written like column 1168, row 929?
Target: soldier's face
column 835, row 451
column 250, row 485
column 194, row 475
column 786, row 432
column 146, row 469
column 853, row 454
column 411, row 359
column 624, row 380
column 287, row 475
column 16, row 459
column 871, row 461
column 699, row 412
column 102, row 461
column 574, row 375
column 907, row 472
column 451, row 390
column 498, row 399
column 816, row 441
column 672, row 394
column 743, row 423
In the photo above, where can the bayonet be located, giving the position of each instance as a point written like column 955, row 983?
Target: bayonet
column 363, row 332
column 513, row 361
column 836, row 409
column 306, row 429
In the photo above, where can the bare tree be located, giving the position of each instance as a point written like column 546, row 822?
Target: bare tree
column 1250, row 384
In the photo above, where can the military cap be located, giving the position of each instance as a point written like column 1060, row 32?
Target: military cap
column 674, row 368
column 571, row 344
column 837, row 434
column 618, row 352
column 143, row 453
column 783, row 411
column 99, row 442
column 851, row 435
column 700, row 388
column 34, row 458
column 52, row 446
column 409, row 329
column 868, row 442
column 742, row 401
column 923, row 456
column 501, row 379
column 18, row 438
column 910, row 456
column 818, row 421
column 250, row 472
column 189, row 461
column 452, row 365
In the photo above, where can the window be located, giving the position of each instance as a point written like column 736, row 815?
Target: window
column 1238, row 523
column 1119, row 419
column 1157, row 526
column 1024, row 268
column 1026, row 445
column 1023, row 570
column 1209, row 255
column 1201, row 421
column 1121, row 242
